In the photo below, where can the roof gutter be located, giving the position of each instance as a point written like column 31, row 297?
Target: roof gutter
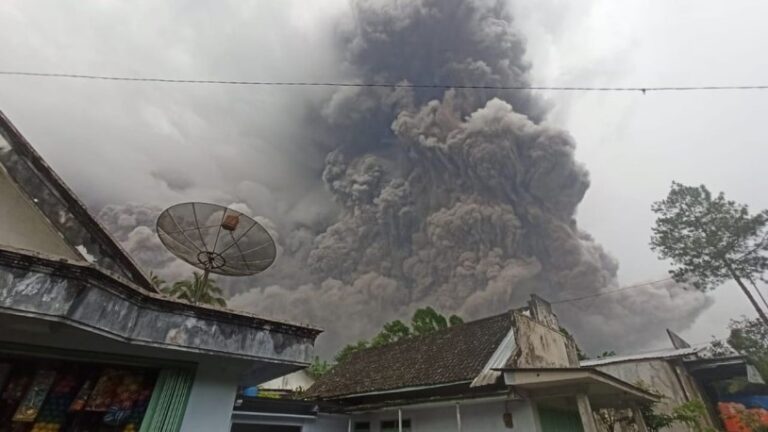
column 400, row 390
column 449, row 402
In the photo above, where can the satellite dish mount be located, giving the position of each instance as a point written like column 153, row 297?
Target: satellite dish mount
column 216, row 239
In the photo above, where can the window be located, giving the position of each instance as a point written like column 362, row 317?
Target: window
column 362, row 427
column 391, row 426
column 242, row 427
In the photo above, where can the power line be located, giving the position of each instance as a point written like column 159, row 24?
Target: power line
column 384, row 85
column 607, row 292
column 752, row 281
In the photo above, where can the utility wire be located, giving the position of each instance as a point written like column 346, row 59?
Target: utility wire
column 385, row 85
column 754, row 285
column 607, row 292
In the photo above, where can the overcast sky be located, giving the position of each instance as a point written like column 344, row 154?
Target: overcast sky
column 119, row 142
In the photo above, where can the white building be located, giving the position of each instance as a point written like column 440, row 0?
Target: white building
column 514, row 371
column 85, row 339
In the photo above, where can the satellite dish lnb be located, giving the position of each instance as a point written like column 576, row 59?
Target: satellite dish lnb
column 216, row 239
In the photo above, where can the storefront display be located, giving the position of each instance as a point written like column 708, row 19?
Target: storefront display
column 39, row 395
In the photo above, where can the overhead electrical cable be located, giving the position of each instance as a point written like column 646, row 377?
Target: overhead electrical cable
column 384, row 85
column 607, row 292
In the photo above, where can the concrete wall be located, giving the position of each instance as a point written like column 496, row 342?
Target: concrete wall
column 23, row 226
column 212, row 398
column 656, row 375
column 327, row 423
column 475, row 417
column 83, row 297
column 539, row 345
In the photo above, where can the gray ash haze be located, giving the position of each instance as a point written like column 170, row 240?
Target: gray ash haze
column 385, row 200
column 463, row 200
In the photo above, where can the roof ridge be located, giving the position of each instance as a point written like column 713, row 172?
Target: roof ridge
column 456, row 353
column 416, row 338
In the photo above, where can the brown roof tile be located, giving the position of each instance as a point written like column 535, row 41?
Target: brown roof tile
column 451, row 355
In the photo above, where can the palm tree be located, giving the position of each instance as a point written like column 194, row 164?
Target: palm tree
column 197, row 291
column 157, row 281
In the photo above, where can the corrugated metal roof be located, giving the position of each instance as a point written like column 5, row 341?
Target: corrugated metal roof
column 661, row 354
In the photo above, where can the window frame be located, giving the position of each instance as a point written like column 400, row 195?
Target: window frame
column 361, row 426
column 394, row 427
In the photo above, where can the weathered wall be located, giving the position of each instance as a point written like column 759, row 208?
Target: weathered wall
column 541, row 311
column 539, row 345
column 475, row 417
column 656, row 375
column 212, row 398
column 100, row 306
column 23, row 226
column 293, row 381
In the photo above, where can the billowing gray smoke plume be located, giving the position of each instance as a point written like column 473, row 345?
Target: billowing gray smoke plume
column 463, row 200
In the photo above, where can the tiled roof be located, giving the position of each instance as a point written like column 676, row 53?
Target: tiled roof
column 452, row 355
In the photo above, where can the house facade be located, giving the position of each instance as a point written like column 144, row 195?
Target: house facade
column 514, row 371
column 86, row 342
column 681, row 375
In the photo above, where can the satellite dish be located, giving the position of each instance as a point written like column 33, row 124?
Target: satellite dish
column 216, row 239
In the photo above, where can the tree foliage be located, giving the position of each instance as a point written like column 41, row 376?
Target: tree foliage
column 710, row 239
column 345, row 352
column 690, row 414
column 156, row 281
column 427, row 320
column 606, row 354
column 318, row 367
column 580, row 355
column 196, row 290
column 748, row 337
column 718, row 348
column 424, row 321
column 391, row 332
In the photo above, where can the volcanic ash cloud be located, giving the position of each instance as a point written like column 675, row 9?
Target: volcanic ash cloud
column 461, row 199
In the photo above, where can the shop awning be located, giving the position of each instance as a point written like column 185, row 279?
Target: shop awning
column 604, row 391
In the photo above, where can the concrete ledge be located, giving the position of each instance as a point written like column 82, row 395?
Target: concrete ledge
column 82, row 296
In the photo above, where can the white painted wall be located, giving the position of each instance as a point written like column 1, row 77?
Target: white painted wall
column 212, row 398
column 23, row 226
column 293, row 381
column 475, row 417
column 321, row 423
column 327, row 423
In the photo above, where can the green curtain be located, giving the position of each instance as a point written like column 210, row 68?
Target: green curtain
column 168, row 402
column 554, row 420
